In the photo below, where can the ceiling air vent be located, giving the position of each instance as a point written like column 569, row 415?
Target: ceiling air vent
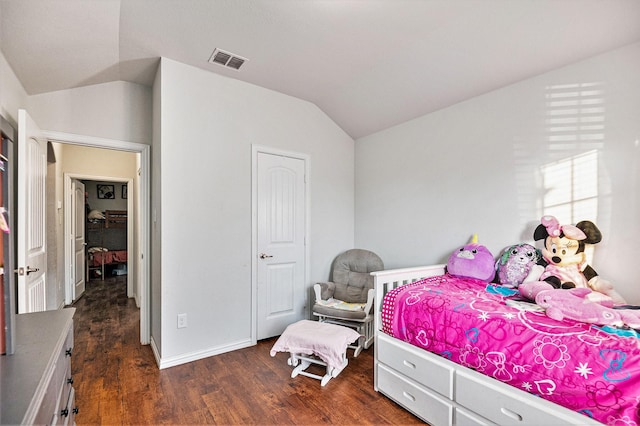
column 227, row 59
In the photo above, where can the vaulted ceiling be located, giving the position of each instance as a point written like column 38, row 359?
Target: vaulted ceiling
column 368, row 64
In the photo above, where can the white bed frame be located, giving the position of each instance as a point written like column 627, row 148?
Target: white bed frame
column 441, row 392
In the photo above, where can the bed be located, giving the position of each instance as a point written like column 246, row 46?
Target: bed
column 108, row 257
column 448, row 370
column 99, row 258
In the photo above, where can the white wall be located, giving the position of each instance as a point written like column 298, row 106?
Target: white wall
column 117, row 110
column 12, row 94
column 156, row 218
column 424, row 187
column 208, row 124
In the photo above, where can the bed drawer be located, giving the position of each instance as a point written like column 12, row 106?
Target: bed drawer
column 499, row 403
column 429, row 406
column 423, row 367
column 467, row 418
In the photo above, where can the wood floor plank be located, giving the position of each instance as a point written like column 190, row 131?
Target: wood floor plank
column 117, row 380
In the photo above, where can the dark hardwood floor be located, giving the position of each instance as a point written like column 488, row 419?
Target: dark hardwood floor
column 117, row 380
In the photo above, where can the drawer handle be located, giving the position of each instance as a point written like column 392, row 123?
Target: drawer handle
column 409, row 364
column 70, row 380
column 68, row 352
column 409, row 396
column 65, row 412
column 511, row 414
column 75, row 410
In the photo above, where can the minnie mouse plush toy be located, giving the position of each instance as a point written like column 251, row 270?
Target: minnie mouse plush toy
column 567, row 264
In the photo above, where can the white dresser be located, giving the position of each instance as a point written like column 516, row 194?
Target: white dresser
column 37, row 386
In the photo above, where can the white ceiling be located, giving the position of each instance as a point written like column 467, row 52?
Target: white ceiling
column 368, row 64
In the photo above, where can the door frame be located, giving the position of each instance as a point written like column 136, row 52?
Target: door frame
column 144, row 207
column 69, row 294
column 255, row 150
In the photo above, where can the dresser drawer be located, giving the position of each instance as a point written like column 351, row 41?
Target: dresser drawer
column 62, row 368
column 65, row 394
column 425, row 368
column 429, row 406
column 57, row 391
column 68, row 415
column 501, row 403
column 52, row 396
column 63, row 372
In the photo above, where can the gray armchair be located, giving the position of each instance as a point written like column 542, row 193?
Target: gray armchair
column 348, row 299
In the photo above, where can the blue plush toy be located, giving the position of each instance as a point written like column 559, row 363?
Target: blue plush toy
column 472, row 261
column 515, row 263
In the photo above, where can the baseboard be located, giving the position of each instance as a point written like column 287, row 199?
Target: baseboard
column 156, row 353
column 194, row 356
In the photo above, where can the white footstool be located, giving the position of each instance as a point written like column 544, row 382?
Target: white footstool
column 313, row 342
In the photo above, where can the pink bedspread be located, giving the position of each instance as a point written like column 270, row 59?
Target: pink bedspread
column 590, row 369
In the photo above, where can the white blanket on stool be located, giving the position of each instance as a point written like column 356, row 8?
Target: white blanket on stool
column 327, row 341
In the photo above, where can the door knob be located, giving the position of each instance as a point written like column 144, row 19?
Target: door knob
column 21, row 270
column 264, row 256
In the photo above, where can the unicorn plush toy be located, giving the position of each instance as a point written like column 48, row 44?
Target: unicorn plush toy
column 472, row 260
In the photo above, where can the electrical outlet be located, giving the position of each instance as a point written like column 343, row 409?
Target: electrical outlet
column 182, row 320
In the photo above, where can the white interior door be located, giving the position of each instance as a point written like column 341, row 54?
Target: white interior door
column 78, row 220
column 281, row 295
column 31, row 222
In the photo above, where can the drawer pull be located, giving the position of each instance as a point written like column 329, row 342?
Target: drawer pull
column 68, row 352
column 75, row 410
column 409, row 396
column 511, row 414
column 70, row 381
column 65, row 412
column 409, row 364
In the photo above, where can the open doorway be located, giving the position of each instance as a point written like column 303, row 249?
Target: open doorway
column 100, row 228
column 94, row 159
column 106, row 224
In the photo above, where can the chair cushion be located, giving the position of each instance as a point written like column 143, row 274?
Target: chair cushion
column 327, row 290
column 351, row 274
column 339, row 304
column 338, row 313
column 355, row 289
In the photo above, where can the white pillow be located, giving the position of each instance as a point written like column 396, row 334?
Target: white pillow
column 95, row 214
